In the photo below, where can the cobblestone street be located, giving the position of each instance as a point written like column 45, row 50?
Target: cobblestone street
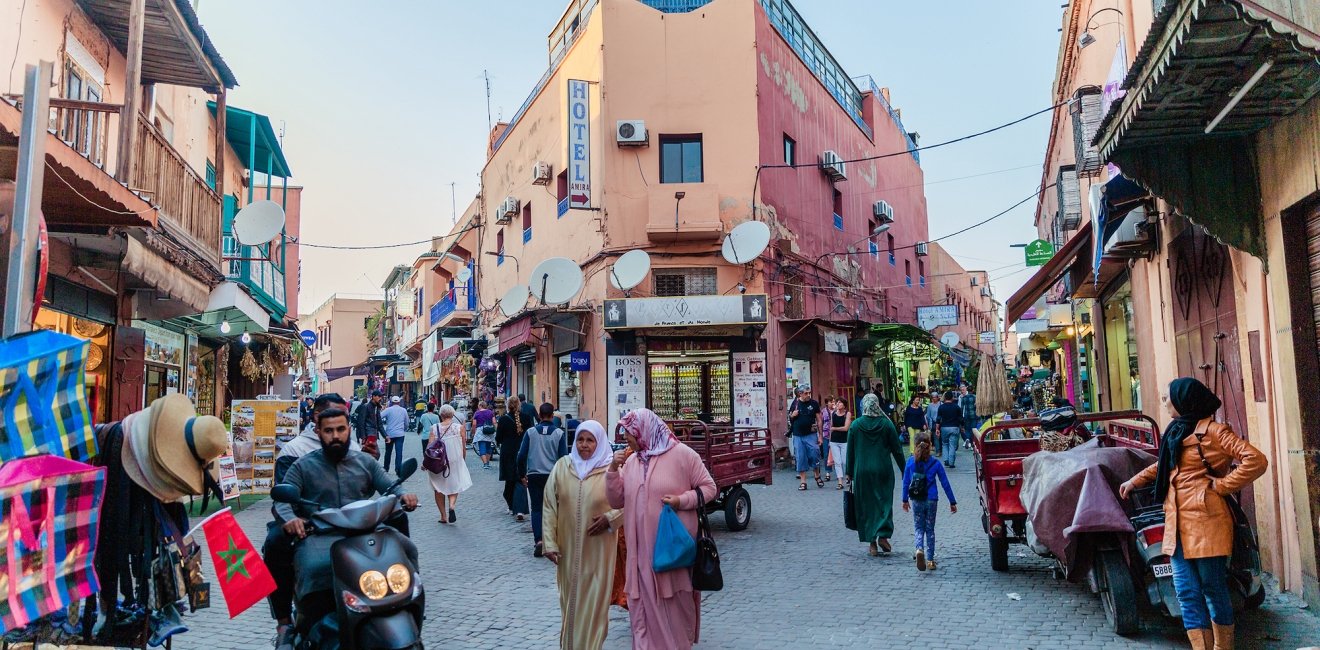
column 485, row 590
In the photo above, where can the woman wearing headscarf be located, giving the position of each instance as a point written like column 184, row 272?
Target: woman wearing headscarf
column 581, row 537
column 1193, row 478
column 872, row 443
column 663, row 609
column 509, row 429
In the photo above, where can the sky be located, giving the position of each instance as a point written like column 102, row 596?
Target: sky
column 385, row 113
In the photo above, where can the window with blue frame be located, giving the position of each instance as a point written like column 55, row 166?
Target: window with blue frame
column 838, row 210
column 921, row 272
column 527, row 222
column 561, row 192
column 893, row 259
column 907, row 271
column 499, row 246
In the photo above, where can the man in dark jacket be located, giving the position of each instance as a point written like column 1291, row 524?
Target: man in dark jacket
column 527, row 412
column 366, row 420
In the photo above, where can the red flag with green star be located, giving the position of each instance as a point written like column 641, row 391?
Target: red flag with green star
column 238, row 567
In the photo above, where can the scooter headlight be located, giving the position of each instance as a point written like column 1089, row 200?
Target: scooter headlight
column 373, row 585
column 400, row 578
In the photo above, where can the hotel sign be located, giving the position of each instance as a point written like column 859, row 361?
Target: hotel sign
column 932, row 316
column 579, row 144
column 685, row 311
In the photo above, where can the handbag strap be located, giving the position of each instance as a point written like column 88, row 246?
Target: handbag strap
column 703, row 526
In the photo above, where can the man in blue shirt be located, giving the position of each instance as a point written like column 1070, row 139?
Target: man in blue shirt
column 395, row 418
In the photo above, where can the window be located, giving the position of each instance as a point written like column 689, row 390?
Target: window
column 527, row 222
column 790, row 150
column 872, row 239
column 680, row 159
column 685, row 282
column 561, row 192
column 893, row 261
column 210, row 175
column 921, row 272
column 838, row 210
column 499, row 246
column 907, row 271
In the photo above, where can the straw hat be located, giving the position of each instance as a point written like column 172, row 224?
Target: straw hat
column 182, row 444
column 137, row 461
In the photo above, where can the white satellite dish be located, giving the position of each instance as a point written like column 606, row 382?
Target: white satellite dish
column 746, row 242
column 555, row 281
column 514, row 300
column 630, row 269
column 258, row 223
column 950, row 339
column 464, row 274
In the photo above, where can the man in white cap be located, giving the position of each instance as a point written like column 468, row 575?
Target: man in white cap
column 395, row 418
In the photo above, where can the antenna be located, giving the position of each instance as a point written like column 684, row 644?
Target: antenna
column 746, row 242
column 489, row 124
column 453, row 198
column 556, row 280
column 630, row 269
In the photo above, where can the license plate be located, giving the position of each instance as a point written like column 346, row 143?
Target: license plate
column 1163, row 570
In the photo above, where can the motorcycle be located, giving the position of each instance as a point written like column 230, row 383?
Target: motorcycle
column 377, row 600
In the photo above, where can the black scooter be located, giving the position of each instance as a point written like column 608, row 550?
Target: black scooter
column 378, row 601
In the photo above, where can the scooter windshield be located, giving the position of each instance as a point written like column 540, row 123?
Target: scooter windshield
column 359, row 515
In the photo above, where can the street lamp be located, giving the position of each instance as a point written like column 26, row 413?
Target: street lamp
column 516, row 265
column 1087, row 37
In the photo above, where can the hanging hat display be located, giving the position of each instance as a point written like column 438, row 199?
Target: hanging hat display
column 183, row 443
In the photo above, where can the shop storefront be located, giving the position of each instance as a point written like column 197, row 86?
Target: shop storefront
column 1122, row 369
column 517, row 344
column 164, row 358
column 90, row 318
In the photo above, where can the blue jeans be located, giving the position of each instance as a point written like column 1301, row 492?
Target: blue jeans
column 1202, row 586
column 969, row 426
column 923, row 525
column 950, row 440
column 536, row 490
column 393, row 445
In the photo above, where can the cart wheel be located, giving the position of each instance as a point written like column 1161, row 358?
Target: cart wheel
column 1117, row 595
column 999, row 553
column 737, row 509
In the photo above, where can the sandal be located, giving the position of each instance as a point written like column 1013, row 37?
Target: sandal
column 839, row 486
column 802, row 487
column 819, row 483
column 827, row 477
column 884, row 545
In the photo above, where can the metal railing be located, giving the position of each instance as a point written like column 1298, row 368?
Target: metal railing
column 182, row 197
column 867, row 84
column 817, row 58
column 676, row 6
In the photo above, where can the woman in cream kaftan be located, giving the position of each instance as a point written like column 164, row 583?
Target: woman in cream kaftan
column 663, row 609
column 581, row 537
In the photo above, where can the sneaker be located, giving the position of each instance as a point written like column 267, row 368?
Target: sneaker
column 520, row 517
column 930, row 564
column 921, row 560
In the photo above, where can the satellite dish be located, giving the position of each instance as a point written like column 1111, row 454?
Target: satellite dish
column 464, row 274
column 746, row 242
column 950, row 339
column 258, row 223
column 630, row 269
column 556, row 280
column 514, row 300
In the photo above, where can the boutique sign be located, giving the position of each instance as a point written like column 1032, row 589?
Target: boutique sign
column 686, row 311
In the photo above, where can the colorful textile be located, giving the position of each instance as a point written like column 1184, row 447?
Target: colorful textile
column 243, row 577
column 43, row 401
column 50, row 508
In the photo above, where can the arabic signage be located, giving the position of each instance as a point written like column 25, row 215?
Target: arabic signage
column 932, row 316
column 579, row 144
column 1039, row 252
column 685, row 311
column 988, row 337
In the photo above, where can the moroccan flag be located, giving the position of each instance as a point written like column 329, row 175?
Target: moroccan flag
column 238, row 567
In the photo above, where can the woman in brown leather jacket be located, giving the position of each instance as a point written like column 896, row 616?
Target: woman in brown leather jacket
column 1193, row 477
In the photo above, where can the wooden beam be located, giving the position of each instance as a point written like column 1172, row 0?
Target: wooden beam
column 128, row 120
column 221, row 143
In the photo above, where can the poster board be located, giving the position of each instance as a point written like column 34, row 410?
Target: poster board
column 258, row 429
column 749, row 390
column 626, row 387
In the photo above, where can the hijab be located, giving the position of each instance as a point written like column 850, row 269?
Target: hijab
column 653, row 435
column 871, row 406
column 1194, row 402
column 585, row 466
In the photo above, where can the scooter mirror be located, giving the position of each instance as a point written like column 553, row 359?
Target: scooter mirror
column 409, row 468
column 285, row 493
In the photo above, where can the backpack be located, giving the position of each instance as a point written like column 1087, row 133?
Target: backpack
column 919, row 488
column 435, row 458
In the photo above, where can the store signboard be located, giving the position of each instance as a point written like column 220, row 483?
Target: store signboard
column 163, row 346
column 1039, row 252
column 749, row 390
column 257, row 430
column 579, row 361
column 835, row 341
column 579, row 144
column 988, row 337
column 626, row 381
column 1032, row 325
column 685, row 311
column 932, row 316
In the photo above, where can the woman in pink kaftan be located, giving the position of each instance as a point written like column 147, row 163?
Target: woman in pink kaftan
column 662, row 607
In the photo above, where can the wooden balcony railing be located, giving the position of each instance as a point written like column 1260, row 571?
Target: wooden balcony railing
column 185, row 201
column 87, row 127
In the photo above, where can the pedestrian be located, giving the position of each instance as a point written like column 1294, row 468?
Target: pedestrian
column 933, row 414
column 573, row 423
column 948, row 420
column 804, row 425
column 914, row 420
column 1195, row 479
column 366, row 418
column 527, row 411
column 968, row 403
column 483, row 432
column 447, row 487
column 508, row 435
column 872, row 442
column 427, row 420
column 581, row 536
column 840, row 420
column 663, row 609
column 886, row 406
column 920, row 488
column 826, row 408
column 541, row 448
column 395, row 418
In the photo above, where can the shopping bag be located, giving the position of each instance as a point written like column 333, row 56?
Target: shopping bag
column 849, row 510
column 43, row 401
column 49, row 514
column 674, row 546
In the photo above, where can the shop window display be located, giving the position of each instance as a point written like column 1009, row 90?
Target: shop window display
column 98, row 355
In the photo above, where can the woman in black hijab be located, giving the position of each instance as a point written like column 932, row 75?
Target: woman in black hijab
column 1195, row 478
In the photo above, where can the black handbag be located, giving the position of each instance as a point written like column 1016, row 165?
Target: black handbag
column 849, row 509
column 706, row 575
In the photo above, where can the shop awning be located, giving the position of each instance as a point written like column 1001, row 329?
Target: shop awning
column 332, row 374
column 163, row 276
column 228, row 303
column 1048, row 274
column 889, row 332
column 449, row 352
column 516, row 333
column 1196, row 60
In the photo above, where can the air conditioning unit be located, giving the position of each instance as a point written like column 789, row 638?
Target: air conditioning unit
column 985, row 292
column 508, row 209
column 631, row 133
column 922, row 248
column 883, row 212
column 541, row 173
column 1133, row 237
column 833, row 166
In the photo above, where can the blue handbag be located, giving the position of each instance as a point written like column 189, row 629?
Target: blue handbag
column 674, row 546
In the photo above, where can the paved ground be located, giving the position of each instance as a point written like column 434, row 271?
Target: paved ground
column 485, row 590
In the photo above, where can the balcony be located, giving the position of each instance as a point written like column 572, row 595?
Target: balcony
column 189, row 209
column 694, row 218
column 453, row 309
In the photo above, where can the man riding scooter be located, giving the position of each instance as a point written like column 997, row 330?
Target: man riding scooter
column 332, row 476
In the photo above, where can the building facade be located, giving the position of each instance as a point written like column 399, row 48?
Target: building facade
column 340, row 325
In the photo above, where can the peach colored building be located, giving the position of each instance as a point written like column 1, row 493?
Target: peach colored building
column 978, row 311
column 341, row 341
column 618, row 149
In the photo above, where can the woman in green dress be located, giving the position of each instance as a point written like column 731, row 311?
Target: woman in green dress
column 872, row 443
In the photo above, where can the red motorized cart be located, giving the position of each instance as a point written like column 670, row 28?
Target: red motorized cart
column 734, row 457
